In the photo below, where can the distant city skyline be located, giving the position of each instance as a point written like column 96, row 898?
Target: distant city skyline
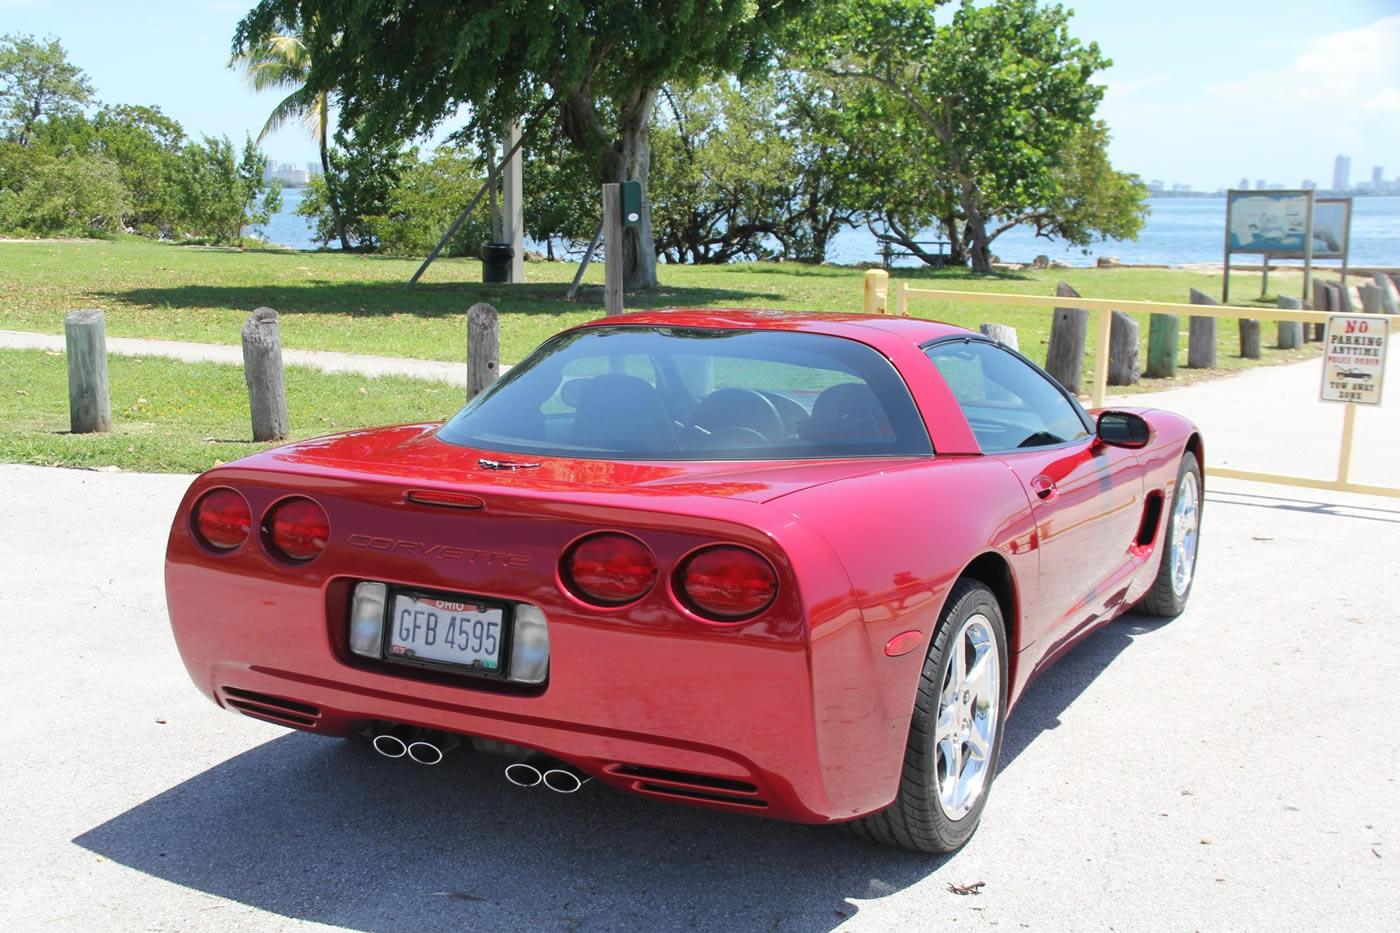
column 1197, row 95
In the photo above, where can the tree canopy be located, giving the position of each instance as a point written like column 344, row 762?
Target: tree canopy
column 36, row 81
column 982, row 118
column 405, row 66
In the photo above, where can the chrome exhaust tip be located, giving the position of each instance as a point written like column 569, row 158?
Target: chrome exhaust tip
column 564, row 780
column 390, row 745
column 522, row 774
column 425, row 753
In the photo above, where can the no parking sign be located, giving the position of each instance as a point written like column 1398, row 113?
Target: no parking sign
column 1353, row 363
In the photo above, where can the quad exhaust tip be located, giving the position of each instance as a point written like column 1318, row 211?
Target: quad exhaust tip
column 523, row 774
column 561, row 780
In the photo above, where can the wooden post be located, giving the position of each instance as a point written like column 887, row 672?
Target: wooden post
column 1389, row 300
column 262, row 368
column 1001, row 333
column 1123, row 350
column 877, row 291
column 612, row 259
column 1319, row 303
column 89, row 401
column 1371, row 299
column 1163, row 337
column 483, row 347
column 1064, row 358
column 1201, row 346
column 1290, row 333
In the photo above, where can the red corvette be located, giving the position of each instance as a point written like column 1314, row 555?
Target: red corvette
column 799, row 565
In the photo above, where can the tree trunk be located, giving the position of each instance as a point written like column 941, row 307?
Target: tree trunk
column 638, row 244
column 332, row 201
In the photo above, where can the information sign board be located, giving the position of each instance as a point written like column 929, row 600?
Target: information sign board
column 1353, row 363
column 1268, row 221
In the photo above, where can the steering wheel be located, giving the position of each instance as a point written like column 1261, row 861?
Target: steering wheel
column 738, row 408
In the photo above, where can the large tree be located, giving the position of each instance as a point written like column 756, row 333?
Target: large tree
column 408, row 65
column 37, row 81
column 984, row 117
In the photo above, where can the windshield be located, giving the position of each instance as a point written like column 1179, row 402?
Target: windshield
column 672, row 393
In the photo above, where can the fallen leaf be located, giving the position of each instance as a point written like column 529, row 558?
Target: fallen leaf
column 1258, row 538
column 973, row 888
column 161, row 720
column 1205, row 841
column 1375, row 853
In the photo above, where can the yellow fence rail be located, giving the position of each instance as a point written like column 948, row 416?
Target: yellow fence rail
column 876, row 302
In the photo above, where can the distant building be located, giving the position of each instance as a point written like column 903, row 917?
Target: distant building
column 1260, row 184
column 1156, row 186
column 1308, row 185
column 313, row 170
column 1178, row 186
column 1275, row 186
column 1377, row 177
column 287, row 174
column 1341, row 173
column 1244, row 184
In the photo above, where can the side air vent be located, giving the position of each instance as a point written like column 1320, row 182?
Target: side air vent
column 680, row 784
column 276, row 709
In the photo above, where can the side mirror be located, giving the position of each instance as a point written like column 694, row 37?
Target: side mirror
column 1124, row 429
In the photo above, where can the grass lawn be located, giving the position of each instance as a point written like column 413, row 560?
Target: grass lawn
column 353, row 303
column 172, row 417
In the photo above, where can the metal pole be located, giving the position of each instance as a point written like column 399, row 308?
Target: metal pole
column 1348, row 431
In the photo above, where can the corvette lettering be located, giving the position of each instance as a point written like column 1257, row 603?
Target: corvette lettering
column 438, row 551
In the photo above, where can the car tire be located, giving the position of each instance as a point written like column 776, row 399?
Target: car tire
column 1176, row 570
column 948, row 768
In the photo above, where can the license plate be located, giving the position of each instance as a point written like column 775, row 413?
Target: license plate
column 426, row 628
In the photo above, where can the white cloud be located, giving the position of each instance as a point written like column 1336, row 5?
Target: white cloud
column 1342, row 74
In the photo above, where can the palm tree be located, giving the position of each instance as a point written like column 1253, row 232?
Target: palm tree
column 282, row 61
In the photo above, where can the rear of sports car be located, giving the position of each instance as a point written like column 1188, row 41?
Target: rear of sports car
column 589, row 568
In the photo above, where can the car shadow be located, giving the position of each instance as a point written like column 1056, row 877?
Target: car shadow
column 1049, row 695
column 328, row 831
column 426, row 300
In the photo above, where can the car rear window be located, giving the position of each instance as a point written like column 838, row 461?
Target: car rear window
column 632, row 392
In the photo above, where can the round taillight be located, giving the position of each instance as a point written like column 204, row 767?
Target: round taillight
column 222, row 519
column 297, row 529
column 726, row 584
column 608, row 569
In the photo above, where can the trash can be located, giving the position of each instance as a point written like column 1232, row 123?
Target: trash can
column 495, row 262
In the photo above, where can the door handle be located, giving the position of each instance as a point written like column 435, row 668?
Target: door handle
column 1044, row 487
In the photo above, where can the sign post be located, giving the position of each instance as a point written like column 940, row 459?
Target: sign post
column 1353, row 370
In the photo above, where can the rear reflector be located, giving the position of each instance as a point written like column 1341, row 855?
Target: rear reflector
column 222, row 519
column 726, row 584
column 608, row 569
column 297, row 529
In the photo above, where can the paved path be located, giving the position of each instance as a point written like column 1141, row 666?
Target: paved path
column 1235, row 769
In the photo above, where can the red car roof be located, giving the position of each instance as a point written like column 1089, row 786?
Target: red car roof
column 874, row 329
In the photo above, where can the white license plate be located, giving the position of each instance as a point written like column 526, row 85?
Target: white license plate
column 424, row 628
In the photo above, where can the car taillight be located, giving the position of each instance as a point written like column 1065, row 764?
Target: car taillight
column 297, row 529
column 608, row 569
column 222, row 519
column 726, row 584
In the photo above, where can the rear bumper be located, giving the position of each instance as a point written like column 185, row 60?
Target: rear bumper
column 715, row 719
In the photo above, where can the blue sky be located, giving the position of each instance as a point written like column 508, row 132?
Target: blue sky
column 1202, row 91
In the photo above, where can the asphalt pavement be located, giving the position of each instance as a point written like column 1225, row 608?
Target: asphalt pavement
column 1236, row 768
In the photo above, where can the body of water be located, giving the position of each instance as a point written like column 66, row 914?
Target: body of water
column 1178, row 231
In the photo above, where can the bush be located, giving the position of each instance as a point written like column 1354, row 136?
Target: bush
column 426, row 201
column 80, row 195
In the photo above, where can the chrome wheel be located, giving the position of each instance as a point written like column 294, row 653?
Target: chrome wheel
column 967, row 716
column 1186, row 520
